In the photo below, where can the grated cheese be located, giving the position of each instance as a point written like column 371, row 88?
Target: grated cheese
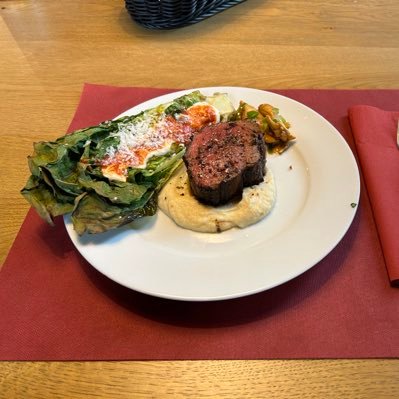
column 145, row 137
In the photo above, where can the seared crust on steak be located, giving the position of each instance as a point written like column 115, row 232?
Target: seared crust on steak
column 224, row 158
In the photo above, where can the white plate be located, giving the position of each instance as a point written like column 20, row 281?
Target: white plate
column 317, row 180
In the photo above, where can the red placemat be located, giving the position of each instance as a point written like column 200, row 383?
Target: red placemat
column 55, row 306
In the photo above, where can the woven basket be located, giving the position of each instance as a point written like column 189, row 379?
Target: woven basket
column 169, row 14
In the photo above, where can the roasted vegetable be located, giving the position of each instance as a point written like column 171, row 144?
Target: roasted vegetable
column 275, row 128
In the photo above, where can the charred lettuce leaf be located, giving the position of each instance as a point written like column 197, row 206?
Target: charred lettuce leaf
column 107, row 205
column 65, row 177
column 42, row 198
column 184, row 102
column 94, row 214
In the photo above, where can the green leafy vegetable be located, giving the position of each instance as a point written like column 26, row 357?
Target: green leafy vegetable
column 183, row 102
column 42, row 198
column 66, row 175
column 93, row 214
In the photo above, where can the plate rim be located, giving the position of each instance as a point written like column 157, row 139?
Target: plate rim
column 160, row 99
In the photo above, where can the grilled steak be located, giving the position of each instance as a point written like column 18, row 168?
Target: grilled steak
column 224, row 158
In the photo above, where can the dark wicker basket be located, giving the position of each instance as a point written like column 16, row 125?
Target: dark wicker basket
column 170, row 14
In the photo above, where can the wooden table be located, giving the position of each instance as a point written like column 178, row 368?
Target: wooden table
column 48, row 49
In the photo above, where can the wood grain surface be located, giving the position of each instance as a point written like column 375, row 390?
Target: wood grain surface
column 48, row 49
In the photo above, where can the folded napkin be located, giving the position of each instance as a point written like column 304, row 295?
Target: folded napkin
column 374, row 131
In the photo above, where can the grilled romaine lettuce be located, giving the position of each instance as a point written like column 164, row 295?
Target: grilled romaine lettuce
column 66, row 177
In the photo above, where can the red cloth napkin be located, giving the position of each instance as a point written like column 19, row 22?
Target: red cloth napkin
column 375, row 132
column 55, row 306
